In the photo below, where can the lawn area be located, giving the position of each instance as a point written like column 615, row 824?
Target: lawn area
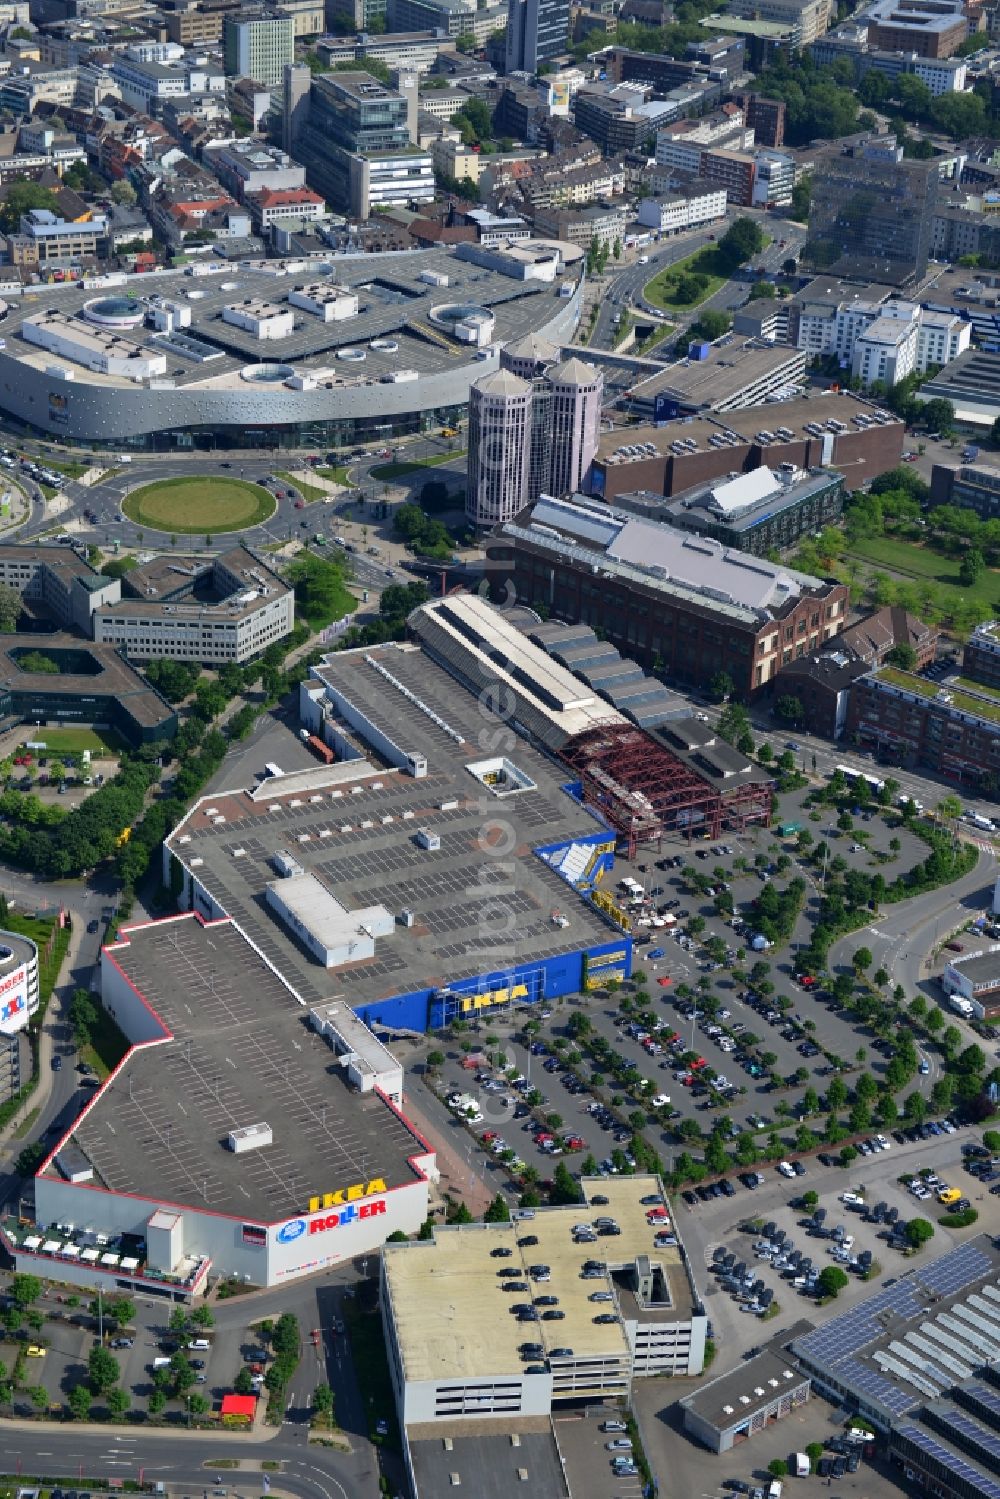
column 336, row 475
column 983, row 707
column 107, row 1044
column 321, row 592
column 364, row 1328
column 309, row 492
column 199, row 506
column 662, row 290
column 395, row 470
column 918, row 562
column 75, row 741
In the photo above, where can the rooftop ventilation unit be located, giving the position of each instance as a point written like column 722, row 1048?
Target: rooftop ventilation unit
column 251, row 1137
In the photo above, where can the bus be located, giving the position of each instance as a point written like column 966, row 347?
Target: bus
column 850, row 774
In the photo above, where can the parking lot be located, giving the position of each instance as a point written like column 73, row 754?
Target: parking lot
column 717, row 1224
column 69, row 1333
column 764, row 1045
column 590, row 1471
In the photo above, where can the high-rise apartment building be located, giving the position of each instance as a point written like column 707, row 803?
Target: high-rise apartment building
column 577, row 391
column 552, row 411
column 871, row 214
column 499, row 447
column 537, row 31
column 259, row 45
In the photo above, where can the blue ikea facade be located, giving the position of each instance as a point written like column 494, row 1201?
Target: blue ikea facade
column 517, row 984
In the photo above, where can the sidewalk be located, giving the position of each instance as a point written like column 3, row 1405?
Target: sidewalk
column 258, row 1432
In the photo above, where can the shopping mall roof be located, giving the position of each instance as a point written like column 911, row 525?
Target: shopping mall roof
column 237, row 1050
column 395, row 298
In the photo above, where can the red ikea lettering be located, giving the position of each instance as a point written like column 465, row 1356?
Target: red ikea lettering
column 349, row 1214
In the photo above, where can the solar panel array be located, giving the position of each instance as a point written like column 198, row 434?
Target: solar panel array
column 893, row 1366
column 989, row 1309
column 983, row 1326
column 912, row 1357
column 985, row 1396
column 845, row 1335
column 946, row 1360
column 955, row 1270
column 876, row 1388
column 923, row 1360
column 985, row 1347
column 954, row 1466
column 964, row 1427
column 957, row 1345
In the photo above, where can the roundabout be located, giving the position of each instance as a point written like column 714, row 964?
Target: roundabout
column 204, row 505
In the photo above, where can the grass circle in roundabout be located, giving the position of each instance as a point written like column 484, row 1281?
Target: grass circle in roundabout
column 199, row 506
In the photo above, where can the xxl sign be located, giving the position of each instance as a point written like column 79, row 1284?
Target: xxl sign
column 14, row 1000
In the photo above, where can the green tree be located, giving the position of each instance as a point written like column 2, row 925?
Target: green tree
column 25, row 1289
column 972, row 567
column 903, row 656
column 777, row 1468
column 20, row 198
column 720, row 686
column 117, row 1402
column 711, row 324
column 79, row 1402
column 788, row 709
column 243, row 1383
column 123, row 193
column 742, row 240
column 322, row 1401
column 831, row 1281
column 198, row 1405
column 938, row 414
column 801, row 198
column 203, row 1317
column 564, row 1189
column 862, row 960
column 102, row 1367
column 498, row 1211
column 919, row 1232
column 11, row 606
column 156, row 1402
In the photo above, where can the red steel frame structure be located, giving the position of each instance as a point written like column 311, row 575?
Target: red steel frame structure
column 640, row 788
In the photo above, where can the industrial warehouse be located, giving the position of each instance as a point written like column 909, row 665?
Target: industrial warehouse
column 444, row 864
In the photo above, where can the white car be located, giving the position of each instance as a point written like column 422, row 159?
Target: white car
column 786, row 1168
column 660, row 1100
column 882, row 1142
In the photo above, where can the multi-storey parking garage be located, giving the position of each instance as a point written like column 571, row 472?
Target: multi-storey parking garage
column 277, row 353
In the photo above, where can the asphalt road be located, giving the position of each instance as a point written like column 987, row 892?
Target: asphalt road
column 178, row 1459
column 623, row 289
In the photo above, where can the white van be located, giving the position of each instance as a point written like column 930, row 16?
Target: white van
column 199, row 1344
